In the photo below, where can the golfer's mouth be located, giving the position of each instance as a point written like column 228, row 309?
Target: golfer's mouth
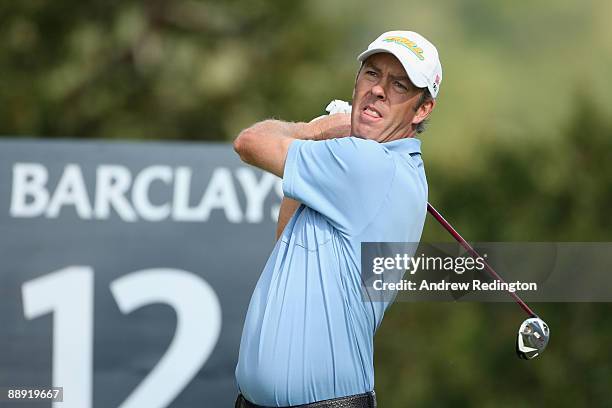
column 370, row 114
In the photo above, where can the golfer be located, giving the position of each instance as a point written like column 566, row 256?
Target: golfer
column 308, row 336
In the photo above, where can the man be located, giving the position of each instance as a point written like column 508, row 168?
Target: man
column 308, row 335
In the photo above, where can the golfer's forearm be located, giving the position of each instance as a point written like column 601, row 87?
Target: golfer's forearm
column 287, row 209
column 265, row 144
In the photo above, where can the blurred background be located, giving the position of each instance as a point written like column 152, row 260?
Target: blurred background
column 516, row 150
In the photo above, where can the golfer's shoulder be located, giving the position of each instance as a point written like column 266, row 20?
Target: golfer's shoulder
column 363, row 152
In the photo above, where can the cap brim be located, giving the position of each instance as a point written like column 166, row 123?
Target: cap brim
column 415, row 76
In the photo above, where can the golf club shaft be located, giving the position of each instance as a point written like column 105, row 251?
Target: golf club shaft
column 475, row 254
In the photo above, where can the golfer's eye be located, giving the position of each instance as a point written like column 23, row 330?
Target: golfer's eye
column 371, row 74
column 400, row 86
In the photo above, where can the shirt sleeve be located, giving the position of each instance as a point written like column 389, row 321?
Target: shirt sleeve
column 344, row 179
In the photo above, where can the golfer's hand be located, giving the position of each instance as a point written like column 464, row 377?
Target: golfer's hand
column 331, row 126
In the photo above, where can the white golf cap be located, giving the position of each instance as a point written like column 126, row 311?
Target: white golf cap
column 417, row 55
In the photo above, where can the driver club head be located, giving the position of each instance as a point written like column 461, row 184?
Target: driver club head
column 532, row 338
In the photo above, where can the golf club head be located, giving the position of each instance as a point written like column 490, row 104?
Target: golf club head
column 532, row 338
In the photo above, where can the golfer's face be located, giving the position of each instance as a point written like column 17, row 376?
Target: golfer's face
column 383, row 100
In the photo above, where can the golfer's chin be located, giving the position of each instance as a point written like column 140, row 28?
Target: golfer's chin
column 366, row 131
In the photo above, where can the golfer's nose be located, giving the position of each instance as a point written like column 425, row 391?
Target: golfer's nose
column 378, row 91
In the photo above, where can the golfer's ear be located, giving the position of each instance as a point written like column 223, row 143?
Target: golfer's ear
column 424, row 110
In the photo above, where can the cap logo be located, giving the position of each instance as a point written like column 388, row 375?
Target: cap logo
column 404, row 42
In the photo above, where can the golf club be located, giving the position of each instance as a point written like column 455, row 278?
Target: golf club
column 534, row 333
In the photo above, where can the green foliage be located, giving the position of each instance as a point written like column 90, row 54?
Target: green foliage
column 537, row 191
column 156, row 69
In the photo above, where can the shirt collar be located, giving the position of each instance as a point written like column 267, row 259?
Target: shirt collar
column 406, row 145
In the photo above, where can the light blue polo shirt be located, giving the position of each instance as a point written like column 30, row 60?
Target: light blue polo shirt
column 308, row 334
